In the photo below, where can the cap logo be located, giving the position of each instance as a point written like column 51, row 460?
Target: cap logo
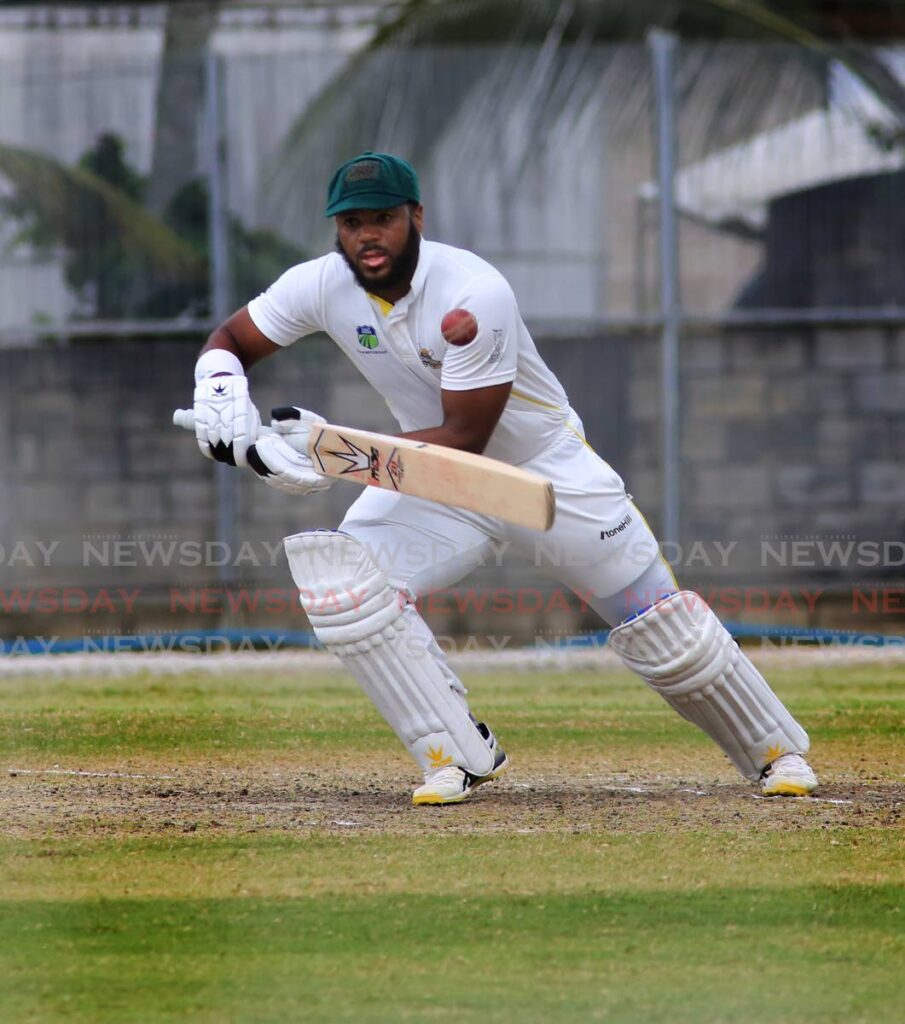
column 364, row 170
column 372, row 181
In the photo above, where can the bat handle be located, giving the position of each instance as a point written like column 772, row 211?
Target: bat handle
column 185, row 418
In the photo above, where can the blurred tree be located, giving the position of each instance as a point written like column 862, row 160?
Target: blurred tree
column 179, row 108
column 181, row 93
column 121, row 260
column 257, row 257
column 117, row 254
column 830, row 28
column 543, row 41
column 107, row 161
column 125, row 261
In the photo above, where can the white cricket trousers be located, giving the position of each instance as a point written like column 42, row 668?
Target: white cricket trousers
column 600, row 545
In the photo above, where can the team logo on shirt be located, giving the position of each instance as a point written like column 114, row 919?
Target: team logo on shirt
column 367, row 336
column 429, row 359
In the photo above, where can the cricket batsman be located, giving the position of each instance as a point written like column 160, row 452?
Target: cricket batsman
column 472, row 381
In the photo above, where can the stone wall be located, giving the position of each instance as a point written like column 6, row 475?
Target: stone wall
column 790, row 436
column 785, row 432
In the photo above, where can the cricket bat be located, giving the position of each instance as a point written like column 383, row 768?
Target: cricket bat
column 430, row 471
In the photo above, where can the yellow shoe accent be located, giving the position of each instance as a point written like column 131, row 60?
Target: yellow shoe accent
column 788, row 775
column 786, row 789
column 435, row 800
column 427, row 796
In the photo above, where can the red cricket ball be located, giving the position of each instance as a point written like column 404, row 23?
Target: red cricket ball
column 459, row 327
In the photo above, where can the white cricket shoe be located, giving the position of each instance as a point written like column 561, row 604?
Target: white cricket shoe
column 788, row 775
column 452, row 785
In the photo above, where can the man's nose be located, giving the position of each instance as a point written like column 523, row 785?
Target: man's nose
column 369, row 233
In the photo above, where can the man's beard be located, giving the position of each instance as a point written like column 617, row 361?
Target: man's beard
column 401, row 270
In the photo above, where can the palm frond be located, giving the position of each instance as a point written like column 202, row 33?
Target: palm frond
column 77, row 205
column 443, row 64
column 805, row 28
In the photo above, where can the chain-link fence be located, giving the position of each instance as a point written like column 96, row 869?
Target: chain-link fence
column 153, row 175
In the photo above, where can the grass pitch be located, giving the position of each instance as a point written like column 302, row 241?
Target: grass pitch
column 243, row 849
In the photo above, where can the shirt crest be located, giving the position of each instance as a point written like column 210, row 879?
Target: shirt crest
column 367, row 336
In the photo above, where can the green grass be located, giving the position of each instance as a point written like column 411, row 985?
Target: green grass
column 756, row 911
column 717, row 955
column 201, row 715
column 271, row 866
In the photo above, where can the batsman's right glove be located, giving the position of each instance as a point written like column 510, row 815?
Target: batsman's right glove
column 281, row 459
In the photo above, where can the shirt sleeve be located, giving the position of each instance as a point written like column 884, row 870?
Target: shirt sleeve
column 289, row 309
column 492, row 358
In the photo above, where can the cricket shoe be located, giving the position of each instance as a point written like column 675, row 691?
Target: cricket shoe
column 452, row 785
column 788, row 775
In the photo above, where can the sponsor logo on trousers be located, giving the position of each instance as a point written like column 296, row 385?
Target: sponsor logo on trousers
column 606, row 534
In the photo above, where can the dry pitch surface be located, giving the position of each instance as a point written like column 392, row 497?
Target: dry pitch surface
column 239, row 845
column 136, row 798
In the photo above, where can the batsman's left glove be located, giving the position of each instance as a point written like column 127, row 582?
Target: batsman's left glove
column 226, row 420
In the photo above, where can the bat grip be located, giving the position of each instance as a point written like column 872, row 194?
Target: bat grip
column 185, row 418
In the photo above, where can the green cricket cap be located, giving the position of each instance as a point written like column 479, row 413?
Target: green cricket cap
column 372, row 181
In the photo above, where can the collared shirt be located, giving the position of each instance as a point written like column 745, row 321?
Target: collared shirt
column 399, row 347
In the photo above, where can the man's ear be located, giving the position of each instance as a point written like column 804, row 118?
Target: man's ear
column 418, row 217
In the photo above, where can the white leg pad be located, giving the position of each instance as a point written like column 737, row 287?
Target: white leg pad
column 683, row 651
column 357, row 614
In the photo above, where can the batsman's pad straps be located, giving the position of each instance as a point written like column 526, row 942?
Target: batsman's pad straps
column 683, row 651
column 358, row 615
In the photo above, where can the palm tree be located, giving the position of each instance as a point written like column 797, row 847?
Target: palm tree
column 179, row 109
column 117, row 248
column 462, row 58
column 438, row 64
column 125, row 260
column 180, row 98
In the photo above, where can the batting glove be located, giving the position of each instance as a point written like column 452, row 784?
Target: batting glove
column 279, row 465
column 226, row 420
column 281, row 459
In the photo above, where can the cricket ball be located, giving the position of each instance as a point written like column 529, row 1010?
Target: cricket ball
column 459, row 327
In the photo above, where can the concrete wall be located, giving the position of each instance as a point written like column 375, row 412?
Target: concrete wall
column 790, row 437
column 798, row 432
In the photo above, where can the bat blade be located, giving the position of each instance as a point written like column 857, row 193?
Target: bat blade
column 436, row 473
column 430, row 471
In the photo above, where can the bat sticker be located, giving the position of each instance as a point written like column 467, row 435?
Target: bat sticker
column 375, row 465
column 395, row 468
column 357, row 459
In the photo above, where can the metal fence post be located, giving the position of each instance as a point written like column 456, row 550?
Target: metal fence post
column 218, row 245
column 663, row 52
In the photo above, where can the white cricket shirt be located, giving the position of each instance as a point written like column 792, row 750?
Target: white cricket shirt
column 400, row 350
